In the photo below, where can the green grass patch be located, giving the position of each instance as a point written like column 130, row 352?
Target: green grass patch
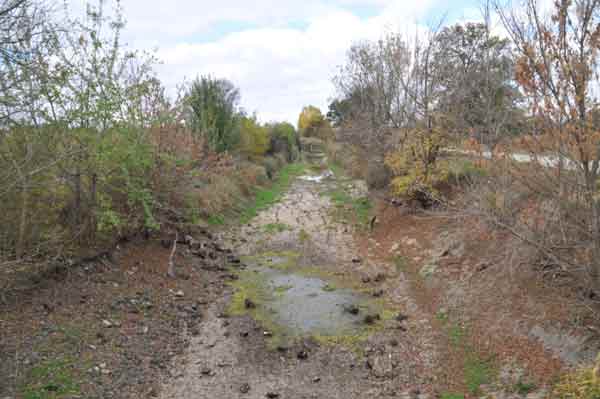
column 329, row 288
column 457, row 335
column 524, row 388
column 266, row 197
column 276, row 228
column 400, row 262
column 53, row 379
column 216, row 220
column 452, row 396
column 347, row 208
column 478, row 372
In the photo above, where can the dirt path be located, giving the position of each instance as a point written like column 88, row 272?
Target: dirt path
column 330, row 332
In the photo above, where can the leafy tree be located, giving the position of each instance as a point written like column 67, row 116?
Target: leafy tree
column 284, row 139
column 339, row 111
column 312, row 123
column 254, row 138
column 214, row 113
column 477, row 93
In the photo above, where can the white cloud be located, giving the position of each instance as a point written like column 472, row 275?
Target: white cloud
column 278, row 68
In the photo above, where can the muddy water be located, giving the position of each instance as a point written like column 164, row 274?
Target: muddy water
column 308, row 305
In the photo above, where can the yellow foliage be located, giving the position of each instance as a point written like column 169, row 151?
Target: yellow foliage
column 583, row 384
column 312, row 123
column 416, row 167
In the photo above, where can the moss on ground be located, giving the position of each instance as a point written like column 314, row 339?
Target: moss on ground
column 254, row 286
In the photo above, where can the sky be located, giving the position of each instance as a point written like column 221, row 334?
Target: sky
column 282, row 54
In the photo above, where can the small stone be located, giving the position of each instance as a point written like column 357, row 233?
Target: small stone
column 366, row 279
column 245, row 388
column 179, row 294
column 352, row 309
column 378, row 293
column 401, row 317
column 380, row 277
column 372, row 318
column 272, row 395
column 205, row 371
column 107, row 323
column 249, row 304
column 267, row 333
column 356, row 260
column 316, row 379
column 302, row 355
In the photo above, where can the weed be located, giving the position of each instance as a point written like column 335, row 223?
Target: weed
column 216, row 220
column 276, row 228
column 356, row 210
column 303, row 236
column 523, row 388
column 51, row 380
column 337, row 170
column 457, row 335
column 452, row 396
column 400, row 262
column 477, row 372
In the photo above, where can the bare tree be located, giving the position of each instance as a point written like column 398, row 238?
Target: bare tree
column 557, row 69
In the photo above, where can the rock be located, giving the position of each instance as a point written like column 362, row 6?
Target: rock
column 380, row 277
column 245, row 388
column 381, row 365
column 302, row 355
column 356, row 260
column 372, row 318
column 395, row 247
column 249, row 304
column 352, row 309
column 107, row 323
column 411, row 242
column 401, row 317
column 272, row 395
column 428, row 270
column 481, row 266
column 206, row 371
column 378, row 293
column 316, row 379
column 267, row 334
column 180, row 294
column 366, row 279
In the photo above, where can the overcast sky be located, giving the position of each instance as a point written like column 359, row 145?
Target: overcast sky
column 282, row 54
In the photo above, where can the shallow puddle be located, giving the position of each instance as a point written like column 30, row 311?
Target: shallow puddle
column 308, row 305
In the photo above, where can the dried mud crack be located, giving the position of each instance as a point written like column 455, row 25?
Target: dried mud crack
column 303, row 318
